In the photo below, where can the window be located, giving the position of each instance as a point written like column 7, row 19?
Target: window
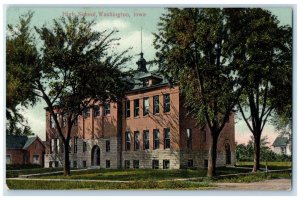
column 64, row 118
column 155, row 164
column 127, row 140
column 84, row 163
column 87, row 112
column 166, row 164
column 52, row 146
column 106, row 108
column 55, row 150
column 75, row 164
column 75, row 144
column 84, row 146
column 145, row 83
column 146, row 139
column 8, row 159
column 204, row 136
column 107, row 145
column 146, row 106
column 52, row 122
column 107, row 163
column 190, row 163
column 136, row 164
column 155, row 139
column 166, row 102
column 57, row 146
column 136, row 107
column 136, row 140
column 56, row 163
column 205, row 163
column 127, row 164
column 155, row 104
column 167, row 138
column 50, row 164
column 127, row 107
column 96, row 111
column 36, row 145
column 189, row 138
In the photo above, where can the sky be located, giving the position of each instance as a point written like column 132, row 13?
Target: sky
column 129, row 22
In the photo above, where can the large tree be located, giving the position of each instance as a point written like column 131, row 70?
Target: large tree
column 263, row 55
column 76, row 67
column 193, row 50
column 21, row 55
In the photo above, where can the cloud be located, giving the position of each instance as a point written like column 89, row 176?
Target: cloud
column 36, row 118
column 118, row 24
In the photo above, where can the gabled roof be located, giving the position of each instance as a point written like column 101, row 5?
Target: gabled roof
column 29, row 142
column 20, row 142
column 15, row 141
column 280, row 141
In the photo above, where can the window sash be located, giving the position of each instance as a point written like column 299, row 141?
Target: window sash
column 167, row 138
column 155, row 104
column 146, row 106
column 189, row 138
column 136, row 140
column 136, row 108
column 75, row 144
column 156, row 139
column 96, row 111
column 146, row 140
column 127, row 140
column 107, row 108
column 127, row 108
column 166, row 102
column 107, row 145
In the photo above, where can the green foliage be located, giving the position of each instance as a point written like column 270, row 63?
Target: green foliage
column 264, row 59
column 246, row 152
column 21, row 59
column 194, row 49
column 75, row 67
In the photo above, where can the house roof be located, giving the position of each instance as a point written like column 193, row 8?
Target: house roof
column 19, row 142
column 280, row 141
column 29, row 142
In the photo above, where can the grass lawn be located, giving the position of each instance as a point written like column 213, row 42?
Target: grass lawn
column 65, row 185
column 16, row 173
column 144, row 178
column 271, row 165
column 141, row 174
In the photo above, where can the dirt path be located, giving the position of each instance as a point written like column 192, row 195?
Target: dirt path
column 274, row 184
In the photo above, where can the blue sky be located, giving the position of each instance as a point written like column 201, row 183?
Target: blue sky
column 129, row 23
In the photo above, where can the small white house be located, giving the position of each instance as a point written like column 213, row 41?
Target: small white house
column 282, row 145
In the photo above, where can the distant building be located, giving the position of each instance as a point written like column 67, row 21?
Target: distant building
column 24, row 150
column 282, row 145
column 151, row 128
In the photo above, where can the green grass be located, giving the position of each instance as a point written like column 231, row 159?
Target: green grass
column 143, row 178
column 271, row 165
column 16, row 173
column 140, row 174
column 65, row 185
column 254, row 177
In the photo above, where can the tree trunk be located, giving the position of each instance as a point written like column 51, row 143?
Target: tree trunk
column 256, row 153
column 67, row 159
column 212, row 156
